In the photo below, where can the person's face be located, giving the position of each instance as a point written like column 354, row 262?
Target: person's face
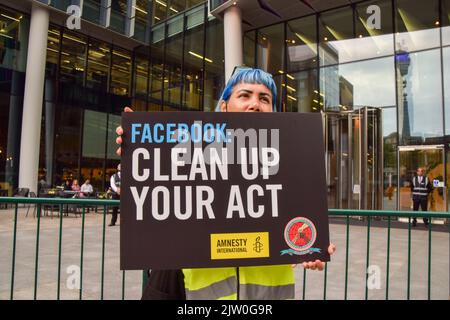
column 87, row 181
column 248, row 97
column 420, row 172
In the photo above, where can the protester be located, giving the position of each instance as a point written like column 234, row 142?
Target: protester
column 248, row 90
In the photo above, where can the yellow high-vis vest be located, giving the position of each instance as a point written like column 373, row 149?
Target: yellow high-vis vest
column 255, row 283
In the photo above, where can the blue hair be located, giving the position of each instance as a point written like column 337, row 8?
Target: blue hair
column 249, row 75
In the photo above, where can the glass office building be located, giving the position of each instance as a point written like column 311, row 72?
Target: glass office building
column 377, row 71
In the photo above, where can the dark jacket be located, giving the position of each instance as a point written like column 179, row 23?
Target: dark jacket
column 420, row 190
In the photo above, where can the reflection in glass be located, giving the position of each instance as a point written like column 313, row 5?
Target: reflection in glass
column 419, row 96
column 372, row 40
column 98, row 65
column 446, row 72
column 270, row 48
column 118, row 15
column 175, row 6
column 91, row 10
column 73, row 58
column 301, row 43
column 120, row 72
column 446, row 22
column 355, row 85
column 302, row 91
column 61, row 4
column 390, row 144
column 142, row 20
column 335, row 36
column 417, row 25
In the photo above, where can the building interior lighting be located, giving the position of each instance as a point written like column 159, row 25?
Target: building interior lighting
column 121, row 55
column 96, row 54
column 174, row 10
column 200, row 56
column 140, row 10
column 161, row 3
column 310, row 43
column 6, row 36
column 9, row 17
column 73, row 39
column 292, row 98
column 289, row 76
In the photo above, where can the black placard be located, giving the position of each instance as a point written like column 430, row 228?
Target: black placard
column 222, row 189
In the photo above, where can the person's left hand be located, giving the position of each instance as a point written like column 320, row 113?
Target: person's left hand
column 319, row 265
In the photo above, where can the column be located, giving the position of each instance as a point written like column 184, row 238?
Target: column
column 33, row 98
column 232, row 35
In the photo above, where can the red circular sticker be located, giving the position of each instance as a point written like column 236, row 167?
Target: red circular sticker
column 300, row 234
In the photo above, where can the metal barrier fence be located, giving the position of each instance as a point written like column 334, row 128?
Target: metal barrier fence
column 80, row 207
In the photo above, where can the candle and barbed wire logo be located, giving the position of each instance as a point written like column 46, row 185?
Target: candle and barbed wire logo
column 258, row 246
column 300, row 235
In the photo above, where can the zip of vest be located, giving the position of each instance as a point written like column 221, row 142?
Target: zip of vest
column 243, row 283
column 420, row 189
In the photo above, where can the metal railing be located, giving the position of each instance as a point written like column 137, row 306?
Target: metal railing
column 80, row 206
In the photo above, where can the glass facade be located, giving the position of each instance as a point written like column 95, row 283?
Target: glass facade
column 381, row 83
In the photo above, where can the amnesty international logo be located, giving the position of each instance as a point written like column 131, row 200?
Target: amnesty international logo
column 239, row 245
column 258, row 246
column 300, row 234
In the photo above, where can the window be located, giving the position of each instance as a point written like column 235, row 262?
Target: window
column 419, row 96
column 13, row 40
column 270, row 48
column 73, row 58
column 194, row 58
column 336, row 36
column 417, row 25
column 249, row 48
column 301, row 91
column 173, row 60
column 372, row 41
column 120, row 72
column 301, row 43
column 99, row 56
column 91, row 10
column 214, row 66
column 355, row 85
column 140, row 76
column 446, row 22
column 446, row 72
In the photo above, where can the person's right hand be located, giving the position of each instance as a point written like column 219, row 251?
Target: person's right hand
column 119, row 132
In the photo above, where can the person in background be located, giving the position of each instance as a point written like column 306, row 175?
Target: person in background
column 86, row 189
column 420, row 189
column 75, row 186
column 115, row 186
column 67, row 186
